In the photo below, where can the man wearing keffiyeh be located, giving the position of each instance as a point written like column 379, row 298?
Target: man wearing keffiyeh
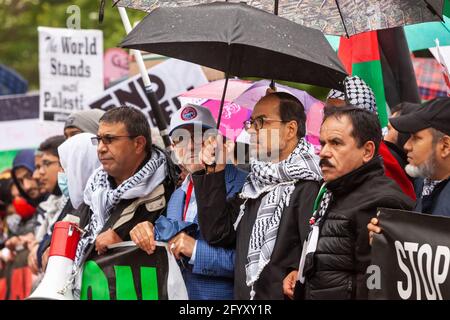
column 265, row 220
column 358, row 94
column 132, row 185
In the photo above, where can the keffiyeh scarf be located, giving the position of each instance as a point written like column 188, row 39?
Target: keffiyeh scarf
column 357, row 93
column 278, row 180
column 101, row 198
column 429, row 186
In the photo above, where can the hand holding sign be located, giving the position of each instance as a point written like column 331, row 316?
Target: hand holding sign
column 182, row 244
column 143, row 236
column 105, row 239
column 373, row 228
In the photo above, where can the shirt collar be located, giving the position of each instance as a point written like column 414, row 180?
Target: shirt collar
column 185, row 183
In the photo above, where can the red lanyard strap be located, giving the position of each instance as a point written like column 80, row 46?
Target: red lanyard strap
column 188, row 198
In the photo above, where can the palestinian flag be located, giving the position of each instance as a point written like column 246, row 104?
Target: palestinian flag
column 360, row 56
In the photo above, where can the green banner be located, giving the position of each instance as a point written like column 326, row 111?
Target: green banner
column 6, row 159
column 128, row 273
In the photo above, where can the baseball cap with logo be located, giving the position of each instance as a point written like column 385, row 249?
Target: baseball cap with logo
column 432, row 114
column 192, row 114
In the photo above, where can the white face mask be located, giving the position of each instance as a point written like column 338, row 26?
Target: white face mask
column 62, row 183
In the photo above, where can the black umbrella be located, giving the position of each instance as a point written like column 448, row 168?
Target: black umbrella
column 241, row 41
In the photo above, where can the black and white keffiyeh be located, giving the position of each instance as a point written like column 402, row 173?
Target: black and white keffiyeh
column 278, row 180
column 336, row 94
column 429, row 186
column 101, row 198
column 359, row 94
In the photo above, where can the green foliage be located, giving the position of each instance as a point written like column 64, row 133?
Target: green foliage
column 19, row 47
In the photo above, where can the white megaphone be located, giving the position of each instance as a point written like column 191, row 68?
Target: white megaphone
column 63, row 247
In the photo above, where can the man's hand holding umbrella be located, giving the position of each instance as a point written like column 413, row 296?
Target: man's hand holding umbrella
column 214, row 153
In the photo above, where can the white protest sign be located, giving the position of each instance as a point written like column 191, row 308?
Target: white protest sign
column 70, row 70
column 169, row 79
column 23, row 134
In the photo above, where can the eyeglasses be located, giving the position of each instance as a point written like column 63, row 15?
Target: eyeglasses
column 258, row 123
column 46, row 164
column 107, row 139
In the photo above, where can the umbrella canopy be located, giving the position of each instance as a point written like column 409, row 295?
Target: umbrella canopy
column 338, row 17
column 240, row 40
column 242, row 98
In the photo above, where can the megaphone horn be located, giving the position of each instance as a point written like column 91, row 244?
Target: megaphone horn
column 63, row 247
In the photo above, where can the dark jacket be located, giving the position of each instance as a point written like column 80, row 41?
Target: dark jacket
column 216, row 217
column 343, row 252
column 128, row 213
column 437, row 203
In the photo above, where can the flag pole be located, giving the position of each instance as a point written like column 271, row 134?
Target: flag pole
column 151, row 95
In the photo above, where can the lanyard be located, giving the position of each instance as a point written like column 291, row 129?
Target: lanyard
column 322, row 191
column 188, row 198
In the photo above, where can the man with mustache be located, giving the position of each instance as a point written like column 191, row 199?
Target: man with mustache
column 428, row 153
column 336, row 251
column 133, row 184
column 358, row 94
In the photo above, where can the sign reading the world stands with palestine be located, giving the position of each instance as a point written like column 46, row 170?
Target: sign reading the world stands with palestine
column 70, row 70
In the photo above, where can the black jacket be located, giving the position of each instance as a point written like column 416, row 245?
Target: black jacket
column 343, row 251
column 437, row 203
column 127, row 214
column 216, row 216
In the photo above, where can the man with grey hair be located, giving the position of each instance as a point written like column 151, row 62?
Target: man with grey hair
column 428, row 151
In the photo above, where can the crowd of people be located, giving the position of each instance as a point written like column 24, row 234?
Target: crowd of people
column 278, row 222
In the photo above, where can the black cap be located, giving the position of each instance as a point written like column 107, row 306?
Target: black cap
column 432, row 114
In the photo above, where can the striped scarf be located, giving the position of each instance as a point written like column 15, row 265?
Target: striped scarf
column 278, row 181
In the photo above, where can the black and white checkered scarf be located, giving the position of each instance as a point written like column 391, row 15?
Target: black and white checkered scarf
column 429, row 186
column 101, row 198
column 357, row 93
column 278, row 181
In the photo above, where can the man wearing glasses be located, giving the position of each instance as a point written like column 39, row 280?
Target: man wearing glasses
column 265, row 220
column 208, row 271
column 47, row 168
column 132, row 185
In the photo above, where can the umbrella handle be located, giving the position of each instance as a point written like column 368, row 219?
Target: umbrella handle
column 272, row 85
